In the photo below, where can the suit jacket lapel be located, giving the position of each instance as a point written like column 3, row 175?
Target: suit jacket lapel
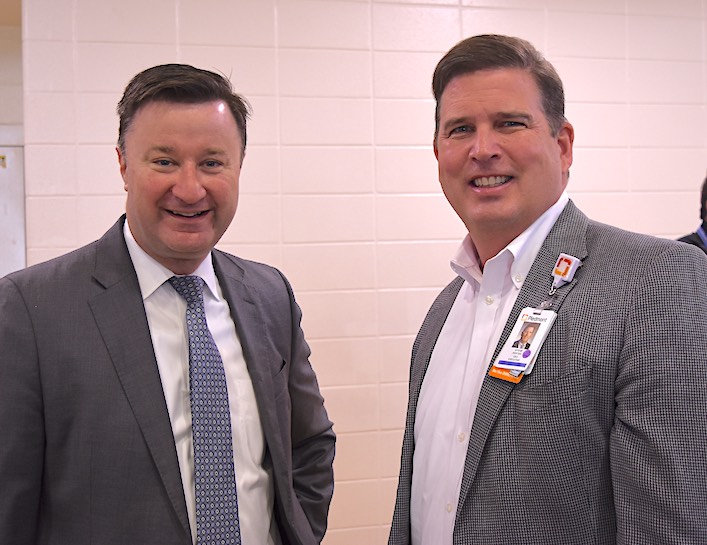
column 427, row 339
column 253, row 335
column 421, row 353
column 120, row 316
column 568, row 235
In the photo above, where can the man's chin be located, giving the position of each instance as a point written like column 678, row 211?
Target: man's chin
column 183, row 253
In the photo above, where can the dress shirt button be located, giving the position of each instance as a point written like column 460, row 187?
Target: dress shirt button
column 489, row 299
column 461, row 437
column 449, row 507
column 518, row 278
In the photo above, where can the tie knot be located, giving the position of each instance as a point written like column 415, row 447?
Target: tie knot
column 189, row 287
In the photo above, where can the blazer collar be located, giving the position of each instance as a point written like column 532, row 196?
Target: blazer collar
column 568, row 236
column 120, row 316
column 263, row 361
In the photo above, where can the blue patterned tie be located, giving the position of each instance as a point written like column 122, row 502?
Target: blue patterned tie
column 214, row 474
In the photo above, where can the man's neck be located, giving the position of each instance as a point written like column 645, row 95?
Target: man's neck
column 488, row 247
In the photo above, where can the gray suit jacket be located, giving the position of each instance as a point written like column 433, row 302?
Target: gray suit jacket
column 87, row 454
column 605, row 442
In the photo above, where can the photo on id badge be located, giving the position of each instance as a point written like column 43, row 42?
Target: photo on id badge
column 526, row 336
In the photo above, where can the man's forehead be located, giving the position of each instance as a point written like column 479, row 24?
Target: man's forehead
column 480, row 83
column 502, row 93
column 513, row 72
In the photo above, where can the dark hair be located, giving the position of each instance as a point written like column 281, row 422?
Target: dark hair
column 490, row 51
column 179, row 83
column 703, row 201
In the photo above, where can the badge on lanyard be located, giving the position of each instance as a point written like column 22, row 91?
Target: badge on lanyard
column 518, row 355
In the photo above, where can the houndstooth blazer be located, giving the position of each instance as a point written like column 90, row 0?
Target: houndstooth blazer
column 606, row 441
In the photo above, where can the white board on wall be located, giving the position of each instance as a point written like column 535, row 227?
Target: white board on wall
column 12, row 210
column 12, row 200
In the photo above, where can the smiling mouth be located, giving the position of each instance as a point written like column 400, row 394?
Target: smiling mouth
column 490, row 181
column 187, row 214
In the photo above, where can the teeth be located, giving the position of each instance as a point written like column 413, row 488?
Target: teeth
column 490, row 181
column 186, row 214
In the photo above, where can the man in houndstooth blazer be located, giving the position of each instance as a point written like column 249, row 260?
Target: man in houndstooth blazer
column 605, row 442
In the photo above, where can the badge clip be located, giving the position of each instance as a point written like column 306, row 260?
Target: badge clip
column 564, row 270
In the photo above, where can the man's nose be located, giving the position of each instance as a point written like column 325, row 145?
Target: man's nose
column 188, row 185
column 485, row 145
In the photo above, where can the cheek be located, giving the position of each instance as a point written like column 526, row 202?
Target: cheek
column 225, row 196
column 150, row 187
column 451, row 161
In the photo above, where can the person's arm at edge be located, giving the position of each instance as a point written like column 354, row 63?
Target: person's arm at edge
column 21, row 421
column 658, row 452
column 313, row 439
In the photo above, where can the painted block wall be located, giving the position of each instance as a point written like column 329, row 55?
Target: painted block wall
column 339, row 187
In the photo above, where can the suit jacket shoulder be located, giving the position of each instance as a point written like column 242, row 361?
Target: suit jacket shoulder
column 94, row 427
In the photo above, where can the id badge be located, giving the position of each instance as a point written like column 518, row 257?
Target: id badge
column 518, row 355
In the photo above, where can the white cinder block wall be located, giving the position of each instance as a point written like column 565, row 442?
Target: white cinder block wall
column 339, row 186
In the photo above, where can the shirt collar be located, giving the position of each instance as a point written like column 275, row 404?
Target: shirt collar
column 523, row 249
column 152, row 274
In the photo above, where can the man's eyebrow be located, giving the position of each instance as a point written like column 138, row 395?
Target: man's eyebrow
column 461, row 120
column 171, row 149
column 161, row 149
column 215, row 151
column 515, row 115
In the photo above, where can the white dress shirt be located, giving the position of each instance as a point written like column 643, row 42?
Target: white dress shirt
column 459, row 362
column 166, row 316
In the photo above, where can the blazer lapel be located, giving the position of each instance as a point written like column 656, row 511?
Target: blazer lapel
column 568, row 235
column 258, row 353
column 427, row 339
column 421, row 354
column 120, row 315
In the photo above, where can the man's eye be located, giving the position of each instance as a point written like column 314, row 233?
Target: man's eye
column 163, row 162
column 212, row 164
column 460, row 130
column 513, row 124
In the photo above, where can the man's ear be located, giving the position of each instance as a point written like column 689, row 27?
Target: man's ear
column 123, row 166
column 565, row 140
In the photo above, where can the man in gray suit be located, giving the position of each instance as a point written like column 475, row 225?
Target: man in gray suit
column 602, row 438
column 95, row 368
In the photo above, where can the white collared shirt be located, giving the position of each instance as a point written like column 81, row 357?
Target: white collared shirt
column 166, row 311
column 459, row 362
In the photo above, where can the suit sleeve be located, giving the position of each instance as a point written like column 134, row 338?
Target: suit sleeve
column 313, row 439
column 21, row 421
column 658, row 450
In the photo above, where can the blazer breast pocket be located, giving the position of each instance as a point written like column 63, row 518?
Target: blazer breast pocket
column 550, row 446
column 280, row 380
column 551, row 394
